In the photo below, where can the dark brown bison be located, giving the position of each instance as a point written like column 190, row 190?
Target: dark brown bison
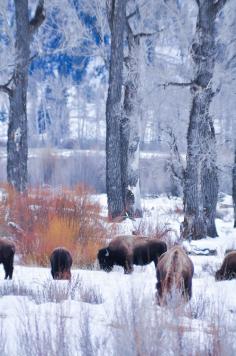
column 174, row 273
column 61, row 262
column 228, row 268
column 125, row 251
column 7, row 251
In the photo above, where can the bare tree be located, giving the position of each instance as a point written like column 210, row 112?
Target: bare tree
column 201, row 181
column 234, row 183
column 16, row 88
column 130, row 127
column 114, row 109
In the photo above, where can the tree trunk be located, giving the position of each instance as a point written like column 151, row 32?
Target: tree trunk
column 17, row 146
column 194, row 224
column 234, row 183
column 201, row 181
column 210, row 183
column 113, row 111
column 130, row 129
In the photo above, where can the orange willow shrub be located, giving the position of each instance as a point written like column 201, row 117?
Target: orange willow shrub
column 45, row 218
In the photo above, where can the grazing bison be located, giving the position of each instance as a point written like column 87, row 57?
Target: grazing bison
column 61, row 262
column 125, row 251
column 7, row 251
column 174, row 272
column 228, row 268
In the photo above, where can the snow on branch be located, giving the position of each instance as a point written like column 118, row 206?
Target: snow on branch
column 38, row 18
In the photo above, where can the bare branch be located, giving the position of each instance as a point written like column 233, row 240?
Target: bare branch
column 38, row 18
column 132, row 14
column 110, row 4
column 143, row 34
column 5, row 87
column 219, row 5
column 137, row 10
column 176, row 84
column 175, row 164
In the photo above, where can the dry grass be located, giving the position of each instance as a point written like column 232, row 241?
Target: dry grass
column 45, row 218
column 53, row 292
column 163, row 233
column 139, row 327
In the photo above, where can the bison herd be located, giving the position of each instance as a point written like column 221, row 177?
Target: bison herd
column 174, row 268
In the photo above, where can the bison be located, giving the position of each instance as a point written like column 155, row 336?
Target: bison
column 125, row 251
column 174, row 273
column 61, row 262
column 7, row 252
column 228, row 268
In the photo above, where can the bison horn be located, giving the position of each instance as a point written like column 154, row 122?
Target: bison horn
column 107, row 253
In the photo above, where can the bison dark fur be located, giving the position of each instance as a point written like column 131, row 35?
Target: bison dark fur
column 125, row 251
column 61, row 262
column 174, row 273
column 228, row 269
column 7, row 252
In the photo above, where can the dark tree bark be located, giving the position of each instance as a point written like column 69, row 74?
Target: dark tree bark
column 201, row 181
column 114, row 110
column 234, row 183
column 209, row 178
column 130, row 128
column 16, row 88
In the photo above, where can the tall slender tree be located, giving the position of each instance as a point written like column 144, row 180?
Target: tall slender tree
column 234, row 183
column 130, row 127
column 116, row 15
column 16, row 88
column 201, row 181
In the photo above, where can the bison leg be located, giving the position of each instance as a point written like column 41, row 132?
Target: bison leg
column 128, row 267
column 155, row 260
column 158, row 293
column 53, row 274
column 188, row 289
column 8, row 267
column 159, row 288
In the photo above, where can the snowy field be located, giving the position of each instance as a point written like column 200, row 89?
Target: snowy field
column 116, row 314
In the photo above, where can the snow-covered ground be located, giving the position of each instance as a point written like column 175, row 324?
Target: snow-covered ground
column 116, row 314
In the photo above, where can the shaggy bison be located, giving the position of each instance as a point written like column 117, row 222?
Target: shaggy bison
column 228, row 268
column 125, row 251
column 7, row 251
column 174, row 272
column 61, row 262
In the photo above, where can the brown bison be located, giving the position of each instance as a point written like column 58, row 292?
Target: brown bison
column 61, row 262
column 125, row 251
column 174, row 273
column 228, row 268
column 7, row 252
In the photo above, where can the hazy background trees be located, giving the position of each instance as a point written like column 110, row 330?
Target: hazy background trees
column 67, row 92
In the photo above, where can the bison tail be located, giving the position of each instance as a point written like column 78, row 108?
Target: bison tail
column 172, row 272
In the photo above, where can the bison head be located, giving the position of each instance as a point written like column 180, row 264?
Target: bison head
column 105, row 260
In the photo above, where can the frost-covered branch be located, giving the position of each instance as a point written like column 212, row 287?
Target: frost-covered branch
column 5, row 87
column 38, row 18
column 175, row 163
column 219, row 5
column 174, row 84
